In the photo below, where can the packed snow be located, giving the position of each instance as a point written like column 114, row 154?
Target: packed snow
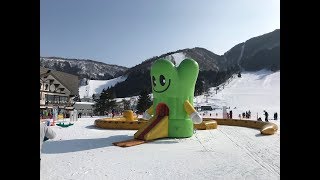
column 96, row 86
column 83, row 151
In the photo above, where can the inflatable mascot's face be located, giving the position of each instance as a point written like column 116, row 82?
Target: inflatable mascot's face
column 171, row 87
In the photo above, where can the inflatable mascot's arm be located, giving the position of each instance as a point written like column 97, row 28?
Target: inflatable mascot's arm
column 147, row 114
column 194, row 115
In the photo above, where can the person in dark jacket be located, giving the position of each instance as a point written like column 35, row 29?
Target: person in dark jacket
column 266, row 115
column 275, row 116
column 230, row 114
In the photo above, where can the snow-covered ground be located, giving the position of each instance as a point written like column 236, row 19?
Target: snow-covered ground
column 96, row 86
column 83, row 151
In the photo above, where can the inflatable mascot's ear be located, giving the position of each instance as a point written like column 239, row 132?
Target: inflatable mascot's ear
column 173, row 93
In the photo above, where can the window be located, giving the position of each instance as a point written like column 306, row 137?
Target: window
column 46, row 88
column 46, row 98
column 63, row 99
column 56, row 99
column 49, row 98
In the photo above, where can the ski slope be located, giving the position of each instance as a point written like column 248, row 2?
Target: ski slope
column 254, row 91
column 96, row 86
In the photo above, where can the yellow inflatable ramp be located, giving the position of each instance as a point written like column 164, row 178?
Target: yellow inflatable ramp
column 266, row 128
column 129, row 143
column 156, row 128
column 269, row 129
column 209, row 124
column 114, row 124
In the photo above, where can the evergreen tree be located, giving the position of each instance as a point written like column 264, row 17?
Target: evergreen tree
column 105, row 103
column 126, row 104
column 199, row 87
column 144, row 101
column 110, row 100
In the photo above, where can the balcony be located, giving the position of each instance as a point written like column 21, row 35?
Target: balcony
column 57, row 103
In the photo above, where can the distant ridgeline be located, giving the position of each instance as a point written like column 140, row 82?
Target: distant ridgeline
column 261, row 52
column 83, row 68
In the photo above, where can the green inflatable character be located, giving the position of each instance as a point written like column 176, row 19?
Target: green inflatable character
column 173, row 94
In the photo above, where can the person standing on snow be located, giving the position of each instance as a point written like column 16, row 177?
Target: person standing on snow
column 266, row 115
column 113, row 113
column 45, row 133
column 275, row 116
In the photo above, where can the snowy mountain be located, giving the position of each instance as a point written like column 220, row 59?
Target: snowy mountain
column 83, row 68
column 262, row 52
column 256, row 53
column 209, row 65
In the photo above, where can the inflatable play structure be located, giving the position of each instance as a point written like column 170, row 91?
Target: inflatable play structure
column 73, row 117
column 136, row 124
column 266, row 128
column 64, row 124
column 128, row 115
column 172, row 113
column 128, row 121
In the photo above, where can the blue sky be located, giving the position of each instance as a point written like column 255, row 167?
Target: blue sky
column 127, row 32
